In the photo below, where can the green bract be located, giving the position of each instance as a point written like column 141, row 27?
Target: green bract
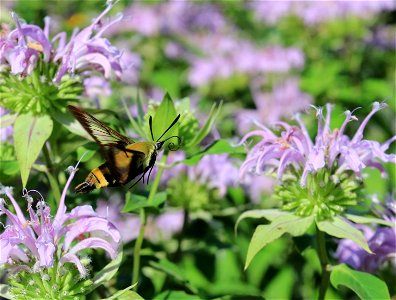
column 37, row 93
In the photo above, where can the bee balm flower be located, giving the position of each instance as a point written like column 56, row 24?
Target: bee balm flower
column 45, row 249
column 322, row 174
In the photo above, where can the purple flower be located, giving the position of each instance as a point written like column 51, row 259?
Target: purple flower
column 174, row 17
column 86, row 51
column 216, row 171
column 314, row 12
column 41, row 240
column 332, row 149
column 7, row 131
column 161, row 227
column 381, row 240
column 229, row 55
column 285, row 100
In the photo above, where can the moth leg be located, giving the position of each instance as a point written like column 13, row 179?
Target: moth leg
column 148, row 177
column 136, row 182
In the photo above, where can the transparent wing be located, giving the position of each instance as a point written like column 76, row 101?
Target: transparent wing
column 102, row 134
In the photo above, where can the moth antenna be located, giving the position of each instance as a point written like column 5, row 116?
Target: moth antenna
column 172, row 146
column 151, row 127
column 170, row 126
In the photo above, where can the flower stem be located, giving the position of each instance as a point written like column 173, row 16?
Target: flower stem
column 143, row 221
column 51, row 176
column 324, row 263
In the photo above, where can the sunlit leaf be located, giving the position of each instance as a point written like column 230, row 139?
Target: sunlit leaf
column 365, row 285
column 107, row 272
column 281, row 285
column 125, row 294
column 135, row 202
column 343, row 230
column 218, row 147
column 164, row 116
column 269, row 214
column 265, row 234
column 368, row 220
column 30, row 134
column 7, row 120
column 214, row 112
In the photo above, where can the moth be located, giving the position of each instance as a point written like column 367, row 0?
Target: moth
column 125, row 158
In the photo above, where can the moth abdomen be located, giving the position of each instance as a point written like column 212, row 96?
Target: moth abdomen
column 98, row 178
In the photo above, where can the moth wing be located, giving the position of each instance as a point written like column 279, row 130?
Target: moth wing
column 101, row 133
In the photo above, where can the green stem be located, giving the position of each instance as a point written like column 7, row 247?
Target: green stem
column 324, row 263
column 143, row 221
column 51, row 176
column 178, row 252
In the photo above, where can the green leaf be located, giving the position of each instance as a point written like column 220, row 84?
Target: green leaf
column 175, row 271
column 67, row 120
column 107, row 272
column 281, row 285
column 343, row 230
column 176, row 295
column 30, row 134
column 365, row 285
column 137, row 126
column 9, row 167
column 265, row 234
column 269, row 214
column 125, row 294
column 7, row 120
column 368, row 220
column 4, row 291
column 218, row 147
column 214, row 112
column 136, row 202
column 88, row 154
column 164, row 116
column 167, row 80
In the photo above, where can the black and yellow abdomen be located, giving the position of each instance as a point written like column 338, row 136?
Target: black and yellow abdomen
column 98, row 178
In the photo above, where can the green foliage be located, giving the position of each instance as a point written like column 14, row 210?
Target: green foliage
column 343, row 230
column 135, row 202
column 265, row 234
column 108, row 272
column 164, row 116
column 365, row 285
column 30, row 134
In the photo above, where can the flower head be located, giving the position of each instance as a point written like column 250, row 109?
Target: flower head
column 323, row 166
column 42, row 69
column 46, row 244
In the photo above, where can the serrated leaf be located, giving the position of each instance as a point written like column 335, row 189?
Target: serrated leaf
column 218, row 147
column 107, row 272
column 136, row 202
column 269, row 214
column 265, row 234
column 365, row 285
column 368, row 220
column 164, row 116
column 214, row 112
column 30, row 134
column 343, row 230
